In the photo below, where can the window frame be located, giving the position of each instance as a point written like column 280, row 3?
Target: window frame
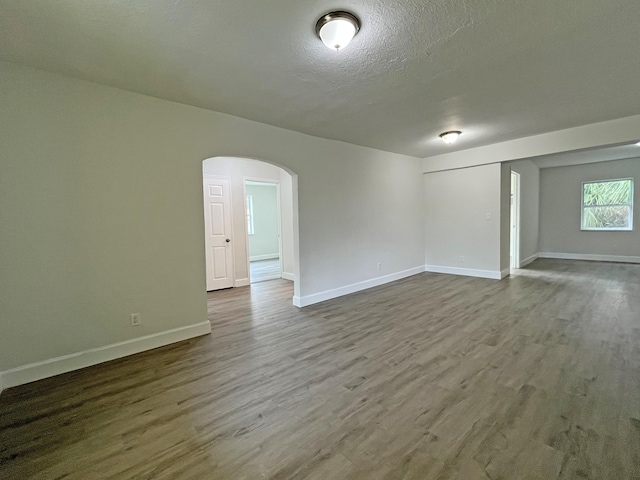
column 630, row 205
column 250, row 219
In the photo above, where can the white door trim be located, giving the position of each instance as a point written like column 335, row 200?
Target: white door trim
column 514, row 221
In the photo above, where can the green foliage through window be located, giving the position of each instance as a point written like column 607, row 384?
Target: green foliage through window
column 607, row 205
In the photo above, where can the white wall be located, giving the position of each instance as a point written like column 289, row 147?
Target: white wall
column 505, row 219
column 238, row 170
column 101, row 214
column 288, row 223
column 457, row 203
column 265, row 241
column 529, row 208
column 560, row 205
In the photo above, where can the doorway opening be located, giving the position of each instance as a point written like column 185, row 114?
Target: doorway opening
column 515, row 221
column 251, row 222
column 262, row 199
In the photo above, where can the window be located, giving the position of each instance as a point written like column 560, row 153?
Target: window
column 250, row 230
column 607, row 205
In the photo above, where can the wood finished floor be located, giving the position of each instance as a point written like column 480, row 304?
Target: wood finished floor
column 432, row 377
column 262, row 270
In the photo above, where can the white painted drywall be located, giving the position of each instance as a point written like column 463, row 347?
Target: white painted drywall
column 529, row 207
column 287, row 221
column 239, row 170
column 505, row 219
column 560, row 205
column 101, row 211
column 457, row 203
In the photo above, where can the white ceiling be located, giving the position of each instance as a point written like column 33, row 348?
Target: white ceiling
column 495, row 69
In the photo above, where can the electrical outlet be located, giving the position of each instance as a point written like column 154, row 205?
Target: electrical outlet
column 135, row 319
column 379, row 265
column 461, row 258
column 488, row 216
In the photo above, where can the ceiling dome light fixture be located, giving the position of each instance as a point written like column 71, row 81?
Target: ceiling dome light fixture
column 450, row 136
column 337, row 29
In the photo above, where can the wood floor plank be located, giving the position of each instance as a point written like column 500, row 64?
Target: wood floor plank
column 431, row 377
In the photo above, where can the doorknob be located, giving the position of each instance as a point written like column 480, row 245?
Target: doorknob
column 228, row 240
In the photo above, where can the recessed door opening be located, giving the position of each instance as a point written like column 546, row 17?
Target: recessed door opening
column 263, row 230
column 514, row 236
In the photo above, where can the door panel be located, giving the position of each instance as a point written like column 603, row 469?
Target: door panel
column 217, row 222
column 219, row 263
column 216, row 212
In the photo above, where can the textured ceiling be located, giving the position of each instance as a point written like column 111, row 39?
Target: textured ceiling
column 497, row 70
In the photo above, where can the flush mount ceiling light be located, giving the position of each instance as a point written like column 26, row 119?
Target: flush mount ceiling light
column 337, row 29
column 450, row 136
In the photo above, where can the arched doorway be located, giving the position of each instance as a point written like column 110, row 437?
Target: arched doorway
column 229, row 237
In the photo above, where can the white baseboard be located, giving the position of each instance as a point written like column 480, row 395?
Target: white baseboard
column 505, row 273
column 528, row 260
column 268, row 256
column 354, row 287
column 242, row 282
column 590, row 257
column 287, row 276
column 467, row 272
column 75, row 361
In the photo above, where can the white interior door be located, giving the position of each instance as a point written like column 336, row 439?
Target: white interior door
column 217, row 223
